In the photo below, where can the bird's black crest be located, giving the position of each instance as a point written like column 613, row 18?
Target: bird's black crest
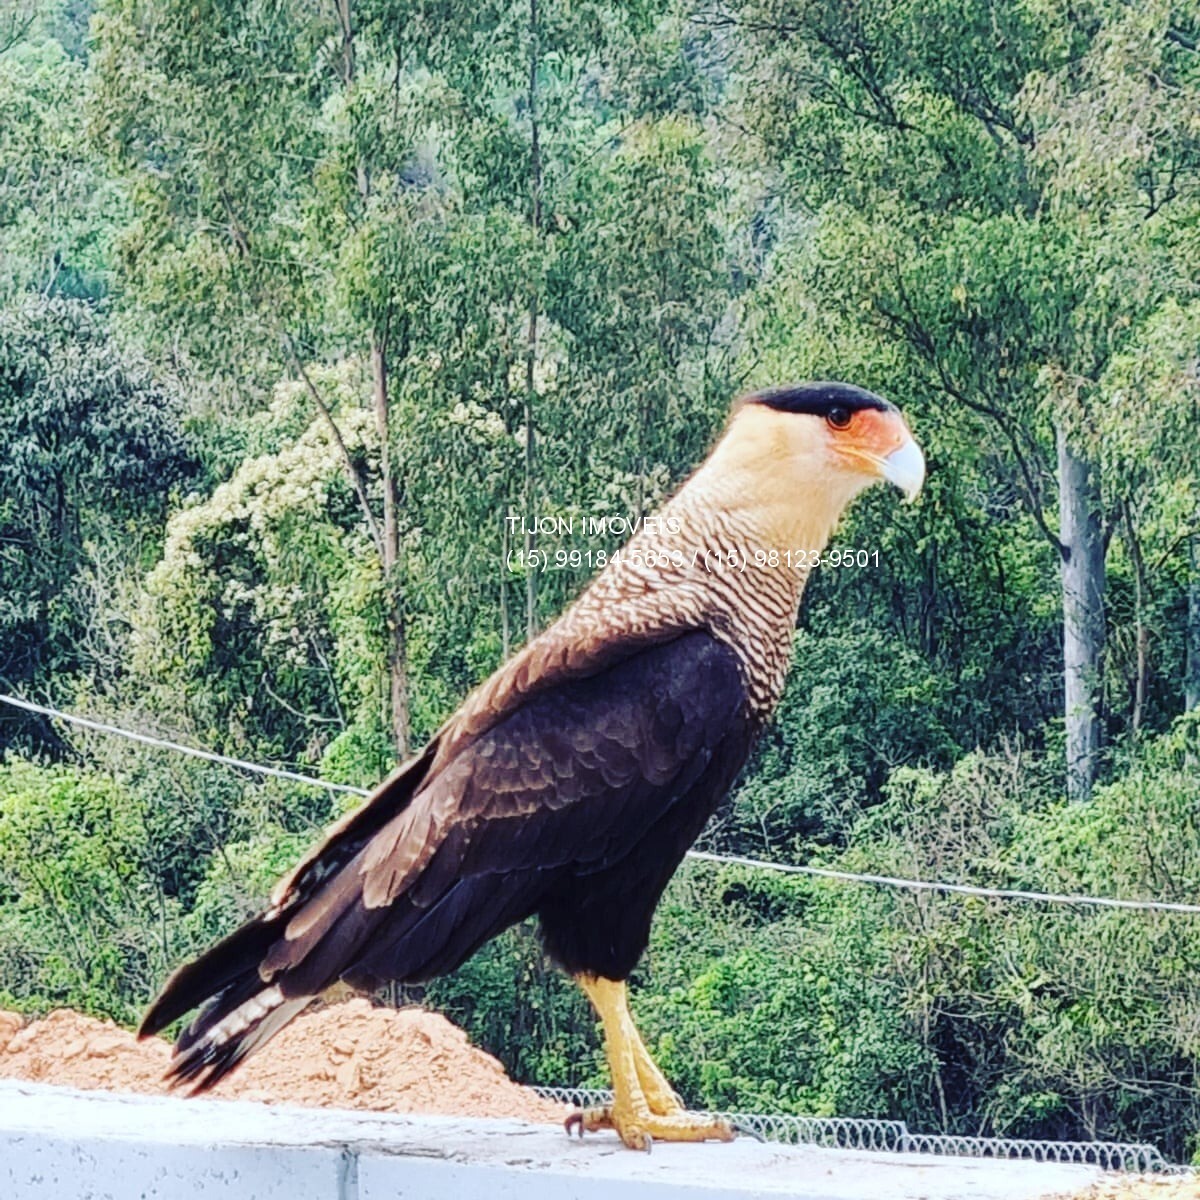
column 818, row 398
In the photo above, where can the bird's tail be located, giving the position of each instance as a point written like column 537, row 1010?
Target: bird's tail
column 240, row 1013
column 211, row 1049
column 257, row 979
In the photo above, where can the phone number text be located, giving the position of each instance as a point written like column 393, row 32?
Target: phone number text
column 734, row 560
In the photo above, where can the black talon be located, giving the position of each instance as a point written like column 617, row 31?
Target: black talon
column 740, row 1129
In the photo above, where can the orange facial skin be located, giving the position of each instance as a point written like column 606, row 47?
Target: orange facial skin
column 868, row 438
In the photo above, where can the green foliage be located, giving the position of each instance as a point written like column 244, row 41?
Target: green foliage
column 239, row 878
column 218, row 213
column 517, row 1006
column 860, row 704
column 643, row 342
column 59, row 210
column 93, row 448
column 78, row 926
column 758, row 1020
column 253, row 589
column 1043, row 1018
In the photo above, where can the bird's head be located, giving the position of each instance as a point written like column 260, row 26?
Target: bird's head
column 836, row 432
column 804, row 451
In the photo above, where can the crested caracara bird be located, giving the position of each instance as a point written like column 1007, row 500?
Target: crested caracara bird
column 571, row 783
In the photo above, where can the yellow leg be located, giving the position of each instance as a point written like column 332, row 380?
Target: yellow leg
column 644, row 1107
column 660, row 1095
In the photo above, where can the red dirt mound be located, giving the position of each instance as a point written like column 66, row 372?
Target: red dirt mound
column 349, row 1055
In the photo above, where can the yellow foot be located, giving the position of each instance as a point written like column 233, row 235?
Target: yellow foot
column 644, row 1106
column 639, row 1128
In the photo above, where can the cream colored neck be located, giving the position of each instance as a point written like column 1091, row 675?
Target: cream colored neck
column 769, row 476
column 731, row 551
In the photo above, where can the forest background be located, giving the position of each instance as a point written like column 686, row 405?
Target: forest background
column 302, row 300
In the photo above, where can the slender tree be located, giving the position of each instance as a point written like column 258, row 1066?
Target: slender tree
column 935, row 154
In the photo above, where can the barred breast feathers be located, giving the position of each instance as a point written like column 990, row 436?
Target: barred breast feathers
column 723, row 554
column 703, row 562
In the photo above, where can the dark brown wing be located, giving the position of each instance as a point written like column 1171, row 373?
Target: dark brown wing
column 553, row 658
column 566, row 785
column 559, row 656
column 581, row 780
column 226, row 962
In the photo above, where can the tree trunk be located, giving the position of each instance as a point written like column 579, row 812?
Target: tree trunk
column 1191, row 678
column 529, row 490
column 389, row 539
column 531, row 345
column 397, row 649
column 1082, row 539
column 1141, row 588
column 505, row 548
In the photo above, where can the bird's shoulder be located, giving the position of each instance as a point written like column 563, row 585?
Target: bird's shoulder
column 569, row 768
column 504, row 721
column 574, row 648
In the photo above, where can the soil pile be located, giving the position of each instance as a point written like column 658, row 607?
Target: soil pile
column 349, row 1055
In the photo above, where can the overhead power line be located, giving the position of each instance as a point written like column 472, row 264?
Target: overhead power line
column 892, row 881
column 961, row 889
column 163, row 744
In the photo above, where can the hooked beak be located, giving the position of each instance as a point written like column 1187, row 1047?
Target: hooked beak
column 905, row 468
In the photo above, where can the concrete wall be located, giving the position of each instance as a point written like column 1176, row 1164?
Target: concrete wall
column 61, row 1144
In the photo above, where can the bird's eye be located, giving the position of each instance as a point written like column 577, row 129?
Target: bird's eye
column 838, row 417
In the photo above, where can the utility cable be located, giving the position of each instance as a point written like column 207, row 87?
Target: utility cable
column 962, row 889
column 163, row 744
column 892, row 881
